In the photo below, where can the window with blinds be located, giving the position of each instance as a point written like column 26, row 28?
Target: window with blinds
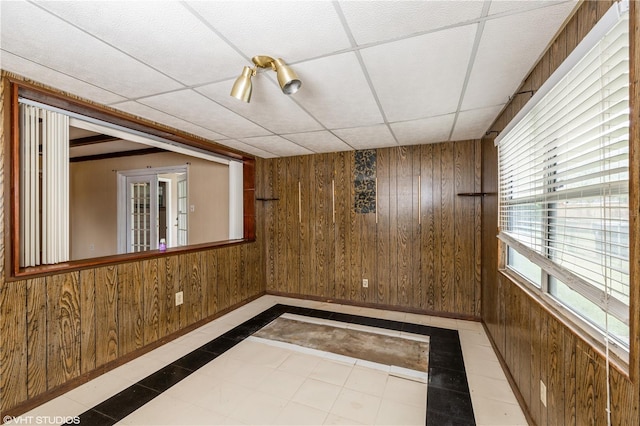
column 564, row 181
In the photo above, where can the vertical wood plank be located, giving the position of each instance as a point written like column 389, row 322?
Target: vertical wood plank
column 415, row 283
column 205, row 294
column 234, row 275
column 569, row 378
column 623, row 409
column 131, row 311
column 525, row 347
column 294, row 245
column 319, row 224
column 555, row 386
column 587, row 18
column 301, row 247
column 404, row 193
column 211, row 260
column 544, row 370
column 36, row 336
column 245, row 274
column 354, row 236
column 88, row 320
column 280, row 251
column 329, row 285
column 534, row 363
column 272, row 190
column 368, row 256
column 169, row 286
column 447, row 203
column 383, row 244
column 106, row 315
column 585, row 398
column 151, row 301
column 394, row 219
column 438, row 217
column 477, row 220
column 63, row 328
column 464, row 226
column 342, row 185
column 193, row 291
column 13, row 350
column 222, row 278
column 427, row 232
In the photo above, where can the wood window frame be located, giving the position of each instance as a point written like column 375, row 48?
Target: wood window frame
column 20, row 89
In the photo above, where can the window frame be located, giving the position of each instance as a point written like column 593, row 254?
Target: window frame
column 21, row 89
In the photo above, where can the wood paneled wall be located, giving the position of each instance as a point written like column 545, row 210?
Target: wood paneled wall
column 535, row 344
column 57, row 330
column 316, row 245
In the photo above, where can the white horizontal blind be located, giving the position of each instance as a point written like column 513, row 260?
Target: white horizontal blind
column 564, row 175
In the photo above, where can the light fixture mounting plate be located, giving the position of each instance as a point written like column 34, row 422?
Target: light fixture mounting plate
column 263, row 61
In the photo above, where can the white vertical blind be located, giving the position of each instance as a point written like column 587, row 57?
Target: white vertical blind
column 29, row 186
column 564, row 171
column 44, row 196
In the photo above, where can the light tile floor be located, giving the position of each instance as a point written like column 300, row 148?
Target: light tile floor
column 257, row 383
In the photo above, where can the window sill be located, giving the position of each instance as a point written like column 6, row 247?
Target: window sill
column 618, row 356
column 75, row 265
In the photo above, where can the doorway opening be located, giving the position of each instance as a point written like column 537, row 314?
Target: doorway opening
column 152, row 205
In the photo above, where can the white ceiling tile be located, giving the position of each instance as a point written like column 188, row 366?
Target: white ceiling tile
column 473, row 124
column 276, row 145
column 377, row 136
column 427, row 130
column 184, row 48
column 71, row 51
column 55, row 79
column 197, row 109
column 287, row 29
column 375, row 21
column 322, row 141
column 249, row 149
column 149, row 113
column 421, row 76
column 335, row 91
column 509, row 48
column 269, row 107
column 510, row 6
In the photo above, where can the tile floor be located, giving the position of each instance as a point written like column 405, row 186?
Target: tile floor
column 255, row 382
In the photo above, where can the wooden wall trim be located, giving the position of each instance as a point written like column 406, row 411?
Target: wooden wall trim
column 634, row 178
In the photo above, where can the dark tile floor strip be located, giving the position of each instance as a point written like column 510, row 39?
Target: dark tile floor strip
column 448, row 397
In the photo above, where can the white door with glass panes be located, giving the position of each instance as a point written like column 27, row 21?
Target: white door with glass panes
column 183, row 210
column 142, row 213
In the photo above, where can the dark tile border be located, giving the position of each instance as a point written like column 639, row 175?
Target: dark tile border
column 448, row 397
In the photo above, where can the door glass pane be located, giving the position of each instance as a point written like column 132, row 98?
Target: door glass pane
column 140, row 216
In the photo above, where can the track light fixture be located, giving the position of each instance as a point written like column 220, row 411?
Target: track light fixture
column 287, row 78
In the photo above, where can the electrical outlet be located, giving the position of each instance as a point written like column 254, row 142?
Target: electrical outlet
column 543, row 393
column 365, row 282
column 179, row 298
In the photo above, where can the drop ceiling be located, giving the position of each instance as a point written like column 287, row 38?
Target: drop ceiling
column 375, row 73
